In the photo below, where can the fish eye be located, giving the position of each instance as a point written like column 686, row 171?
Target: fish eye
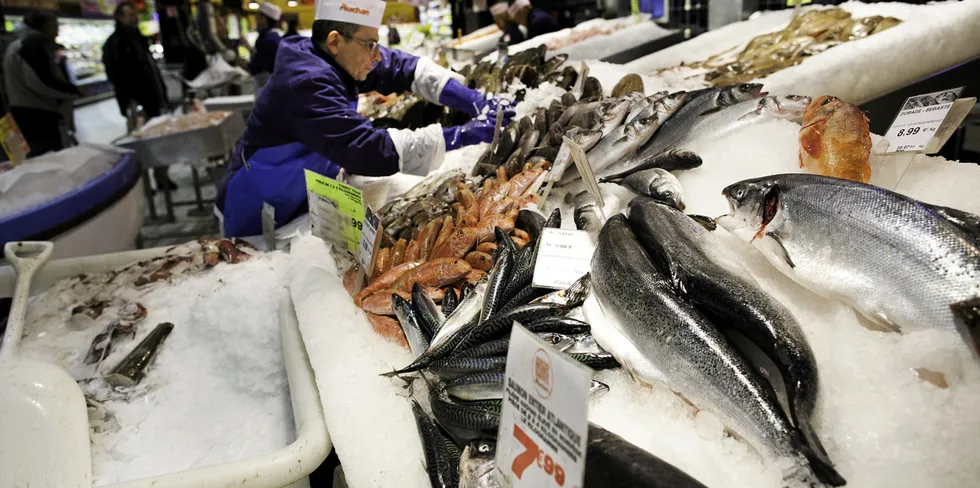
column 828, row 100
column 669, row 194
column 739, row 194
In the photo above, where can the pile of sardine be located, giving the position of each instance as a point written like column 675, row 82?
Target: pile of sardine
column 460, row 351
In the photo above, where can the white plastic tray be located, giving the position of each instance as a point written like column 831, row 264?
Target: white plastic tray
column 285, row 467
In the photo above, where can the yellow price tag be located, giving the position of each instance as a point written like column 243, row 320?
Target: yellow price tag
column 12, row 140
column 336, row 211
column 791, row 3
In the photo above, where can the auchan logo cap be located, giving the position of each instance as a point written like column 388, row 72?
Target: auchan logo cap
column 361, row 12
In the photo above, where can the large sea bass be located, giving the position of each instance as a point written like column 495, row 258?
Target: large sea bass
column 674, row 343
column 902, row 263
column 683, row 250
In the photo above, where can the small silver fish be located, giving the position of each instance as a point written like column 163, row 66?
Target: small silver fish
column 658, row 184
column 588, row 215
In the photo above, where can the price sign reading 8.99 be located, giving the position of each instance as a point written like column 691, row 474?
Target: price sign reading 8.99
column 919, row 119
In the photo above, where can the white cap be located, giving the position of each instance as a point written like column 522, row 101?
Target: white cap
column 498, row 9
column 361, row 12
column 270, row 10
column 517, row 6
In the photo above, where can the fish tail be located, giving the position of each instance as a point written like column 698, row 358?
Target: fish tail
column 419, row 363
column 821, row 466
column 967, row 317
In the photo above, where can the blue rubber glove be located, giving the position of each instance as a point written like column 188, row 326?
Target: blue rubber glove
column 458, row 96
column 472, row 132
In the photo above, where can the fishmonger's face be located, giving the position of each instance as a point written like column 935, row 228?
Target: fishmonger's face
column 358, row 53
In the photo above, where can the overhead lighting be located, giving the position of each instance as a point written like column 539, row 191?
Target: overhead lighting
column 253, row 5
column 291, row 3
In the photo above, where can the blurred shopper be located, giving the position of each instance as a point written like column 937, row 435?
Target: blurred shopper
column 38, row 89
column 264, row 58
column 292, row 28
column 512, row 31
column 134, row 74
column 536, row 21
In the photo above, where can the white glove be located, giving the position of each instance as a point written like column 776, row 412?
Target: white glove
column 430, row 79
column 419, row 151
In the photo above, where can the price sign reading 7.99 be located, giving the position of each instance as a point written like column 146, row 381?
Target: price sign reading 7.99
column 543, row 424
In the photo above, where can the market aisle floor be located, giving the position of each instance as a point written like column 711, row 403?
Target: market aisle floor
column 101, row 123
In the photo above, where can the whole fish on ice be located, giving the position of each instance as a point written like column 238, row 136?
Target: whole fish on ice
column 900, row 262
column 671, row 342
column 835, row 140
column 656, row 183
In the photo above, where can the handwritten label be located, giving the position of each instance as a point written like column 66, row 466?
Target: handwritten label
column 919, row 120
column 543, row 423
column 336, row 211
column 369, row 235
column 564, row 255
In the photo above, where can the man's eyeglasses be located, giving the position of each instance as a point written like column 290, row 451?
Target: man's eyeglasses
column 372, row 46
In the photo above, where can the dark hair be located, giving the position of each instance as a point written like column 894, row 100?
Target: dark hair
column 323, row 28
column 268, row 19
column 119, row 8
column 36, row 19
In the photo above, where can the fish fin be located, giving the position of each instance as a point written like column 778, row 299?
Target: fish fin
column 823, row 469
column 711, row 111
column 784, row 254
column 816, row 448
column 966, row 314
column 706, row 222
column 621, row 140
column 877, row 324
column 964, row 221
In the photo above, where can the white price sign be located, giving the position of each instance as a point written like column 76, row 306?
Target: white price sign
column 919, row 120
column 544, row 420
column 563, row 256
column 369, row 232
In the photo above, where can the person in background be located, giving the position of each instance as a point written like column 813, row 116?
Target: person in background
column 512, row 31
column 292, row 28
column 306, row 117
column 38, row 89
column 134, row 74
column 264, row 57
column 536, row 21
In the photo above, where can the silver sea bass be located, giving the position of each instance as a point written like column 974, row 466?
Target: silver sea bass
column 900, row 262
column 689, row 353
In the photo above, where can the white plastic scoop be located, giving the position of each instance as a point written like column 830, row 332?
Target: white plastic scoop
column 44, row 440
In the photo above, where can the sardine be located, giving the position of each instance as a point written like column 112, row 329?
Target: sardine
column 669, row 341
column 613, row 462
column 501, row 324
column 900, row 262
column 443, row 470
column 657, row 184
column 497, row 283
column 477, row 464
column 670, row 160
column 682, row 250
column 588, row 216
column 408, row 318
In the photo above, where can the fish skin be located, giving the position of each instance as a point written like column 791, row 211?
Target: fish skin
column 554, row 220
column 388, row 328
column 497, row 283
column 571, row 297
column 596, row 361
column 835, row 140
column 698, row 103
column 531, row 221
column 436, row 272
column 476, row 465
column 658, row 184
column 427, row 238
column 621, row 144
column 892, row 258
column 484, row 229
column 380, row 303
column 662, row 111
column 444, row 233
column 497, row 347
column 442, row 471
column 463, row 423
column 449, row 303
column 680, row 248
column 562, row 325
column 522, row 274
column 451, row 368
column 613, row 462
column 613, row 116
column 456, row 245
column 382, row 263
column 522, row 182
column 688, row 353
column 670, row 160
column 408, row 318
column 479, row 260
column 413, row 251
column 385, row 280
column 477, row 386
column 501, row 324
column 523, row 297
column 429, row 317
column 588, row 216
column 398, row 252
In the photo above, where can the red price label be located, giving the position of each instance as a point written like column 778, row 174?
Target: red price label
column 534, row 455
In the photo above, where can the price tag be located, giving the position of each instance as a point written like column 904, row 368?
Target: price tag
column 336, row 211
column 12, row 140
column 369, row 236
column 544, row 420
column 269, row 226
column 581, row 161
column 919, row 120
column 564, row 255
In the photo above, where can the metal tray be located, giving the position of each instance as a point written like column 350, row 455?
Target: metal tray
column 241, row 103
column 190, row 147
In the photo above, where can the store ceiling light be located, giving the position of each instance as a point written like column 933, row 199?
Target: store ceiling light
column 253, row 5
column 291, row 3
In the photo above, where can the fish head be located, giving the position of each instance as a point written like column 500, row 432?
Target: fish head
column 584, row 199
column 667, row 189
column 597, row 389
column 480, row 450
column 790, row 107
column 821, row 108
column 587, row 138
column 556, row 340
column 754, row 205
column 617, row 110
column 669, row 104
column 745, row 91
